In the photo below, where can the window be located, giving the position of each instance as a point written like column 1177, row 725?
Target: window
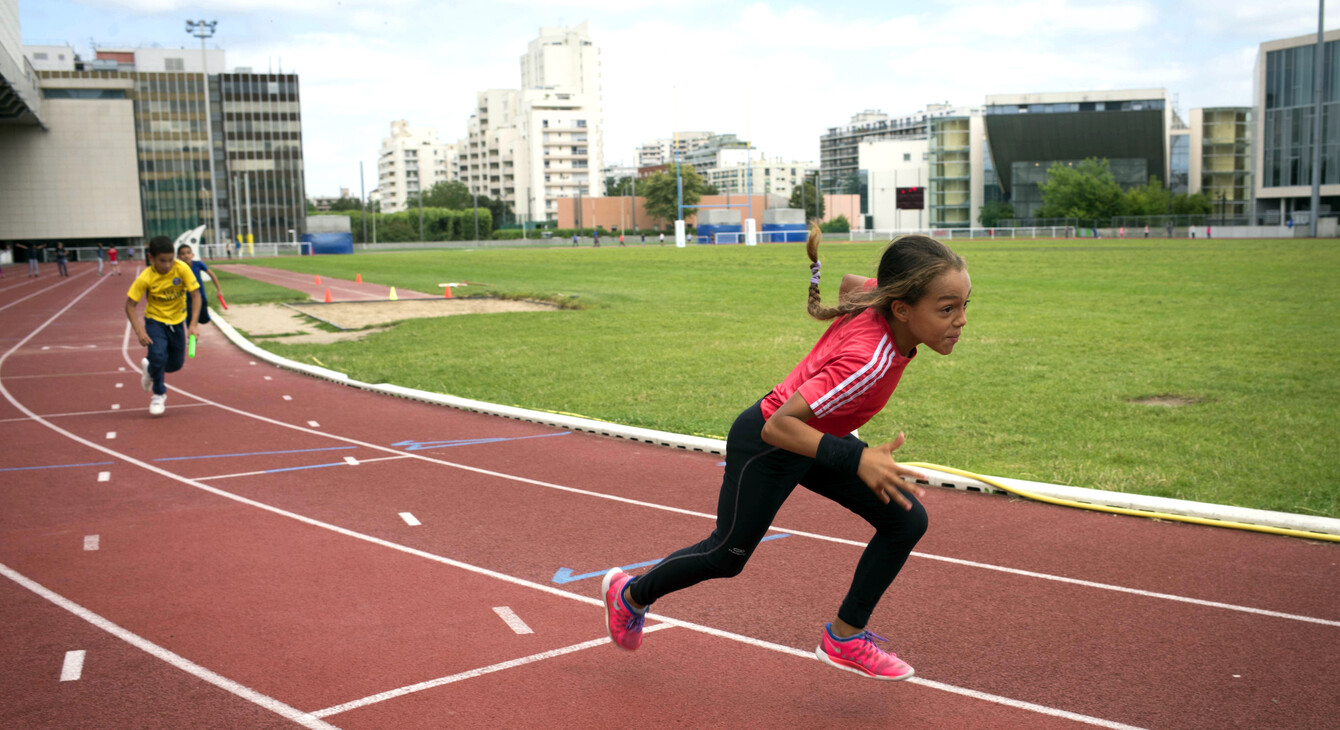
column 907, row 157
column 174, row 64
column 39, row 56
column 581, row 123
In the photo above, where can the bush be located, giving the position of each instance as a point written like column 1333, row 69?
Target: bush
column 839, row 224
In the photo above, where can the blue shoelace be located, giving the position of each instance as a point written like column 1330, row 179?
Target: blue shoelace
column 635, row 621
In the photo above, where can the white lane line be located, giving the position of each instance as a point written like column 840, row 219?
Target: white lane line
column 96, row 413
column 104, row 476
column 512, row 620
column 116, row 406
column 125, row 353
column 470, row 674
column 73, row 667
column 314, row 424
column 410, row 519
column 111, row 435
column 351, row 461
column 479, row 570
column 91, row 542
column 39, row 291
column 268, row 471
column 288, row 397
column 180, row 662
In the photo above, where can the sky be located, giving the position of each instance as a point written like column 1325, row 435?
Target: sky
column 780, row 73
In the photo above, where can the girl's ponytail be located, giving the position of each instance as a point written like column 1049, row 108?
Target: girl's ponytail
column 815, row 306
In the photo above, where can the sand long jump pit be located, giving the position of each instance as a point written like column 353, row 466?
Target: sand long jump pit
column 286, row 323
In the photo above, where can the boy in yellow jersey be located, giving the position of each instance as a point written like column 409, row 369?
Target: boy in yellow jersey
column 170, row 284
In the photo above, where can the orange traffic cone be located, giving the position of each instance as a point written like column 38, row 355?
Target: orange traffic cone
column 318, row 280
column 448, row 294
column 328, row 299
column 358, row 278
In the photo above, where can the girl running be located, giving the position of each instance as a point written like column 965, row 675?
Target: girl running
column 801, row 433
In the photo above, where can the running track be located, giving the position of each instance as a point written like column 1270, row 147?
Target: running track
column 244, row 562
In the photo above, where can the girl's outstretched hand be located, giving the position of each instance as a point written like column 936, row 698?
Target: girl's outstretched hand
column 885, row 477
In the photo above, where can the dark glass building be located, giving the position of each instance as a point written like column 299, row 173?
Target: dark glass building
column 1284, row 85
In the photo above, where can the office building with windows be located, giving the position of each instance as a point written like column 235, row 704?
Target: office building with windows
column 1220, row 140
column 1028, row 133
column 1283, row 86
column 130, row 125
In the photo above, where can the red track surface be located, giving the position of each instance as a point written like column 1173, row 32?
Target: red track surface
column 341, row 290
column 307, row 587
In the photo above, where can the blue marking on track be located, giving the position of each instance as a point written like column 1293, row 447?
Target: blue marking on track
column 422, row 445
column 564, row 575
column 254, row 453
column 57, row 466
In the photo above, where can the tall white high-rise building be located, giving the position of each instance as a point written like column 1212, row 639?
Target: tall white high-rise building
column 543, row 142
column 411, row 160
column 662, row 151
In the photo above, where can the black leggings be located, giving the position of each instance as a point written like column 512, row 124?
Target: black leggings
column 758, row 479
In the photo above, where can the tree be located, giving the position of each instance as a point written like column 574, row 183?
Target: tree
column 661, row 195
column 808, row 194
column 346, row 203
column 450, row 194
column 710, row 189
column 994, row 212
column 1150, row 199
column 1086, row 191
column 1198, row 204
column 839, row 224
column 616, row 188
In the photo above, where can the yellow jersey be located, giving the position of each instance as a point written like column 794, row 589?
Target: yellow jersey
column 168, row 293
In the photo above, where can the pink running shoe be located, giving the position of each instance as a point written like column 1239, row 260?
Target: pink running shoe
column 623, row 624
column 860, row 656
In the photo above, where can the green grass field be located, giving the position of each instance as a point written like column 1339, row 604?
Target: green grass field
column 1062, row 338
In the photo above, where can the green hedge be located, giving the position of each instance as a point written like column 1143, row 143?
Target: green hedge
column 439, row 224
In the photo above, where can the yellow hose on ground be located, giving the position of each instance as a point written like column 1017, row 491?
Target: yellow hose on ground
column 1123, row 511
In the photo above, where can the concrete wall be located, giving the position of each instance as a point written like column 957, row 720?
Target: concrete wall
column 613, row 212
column 78, row 178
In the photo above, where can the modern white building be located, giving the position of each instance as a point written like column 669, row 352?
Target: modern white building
column 532, row 146
column 662, row 151
column 759, row 175
column 411, row 160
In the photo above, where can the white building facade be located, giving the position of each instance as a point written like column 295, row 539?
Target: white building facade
column 411, row 160
column 532, row 146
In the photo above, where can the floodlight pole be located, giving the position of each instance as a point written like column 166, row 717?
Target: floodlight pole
column 1318, row 56
column 203, row 29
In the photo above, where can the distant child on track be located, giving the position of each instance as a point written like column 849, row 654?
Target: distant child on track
column 61, row 259
column 169, row 284
column 801, row 433
column 111, row 256
column 187, row 257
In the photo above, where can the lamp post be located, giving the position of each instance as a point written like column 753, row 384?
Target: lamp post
column 203, row 29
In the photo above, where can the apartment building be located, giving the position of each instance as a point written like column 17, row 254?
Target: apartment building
column 412, row 160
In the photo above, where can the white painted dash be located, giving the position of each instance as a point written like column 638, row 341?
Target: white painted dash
column 253, row 362
column 111, row 435
column 314, row 424
column 288, row 397
column 410, row 519
column 121, row 369
column 104, row 476
column 91, row 542
column 268, row 378
column 73, row 668
column 351, row 461
column 116, row 406
column 512, row 620
column 120, row 385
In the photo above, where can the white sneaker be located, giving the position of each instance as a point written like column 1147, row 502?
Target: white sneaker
column 157, row 405
column 146, row 380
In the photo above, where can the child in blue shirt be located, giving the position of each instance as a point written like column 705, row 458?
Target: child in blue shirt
column 187, row 257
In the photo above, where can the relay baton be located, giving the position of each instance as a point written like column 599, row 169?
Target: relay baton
column 190, row 346
column 219, row 294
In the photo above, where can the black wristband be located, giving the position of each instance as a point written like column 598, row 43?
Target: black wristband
column 841, row 455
